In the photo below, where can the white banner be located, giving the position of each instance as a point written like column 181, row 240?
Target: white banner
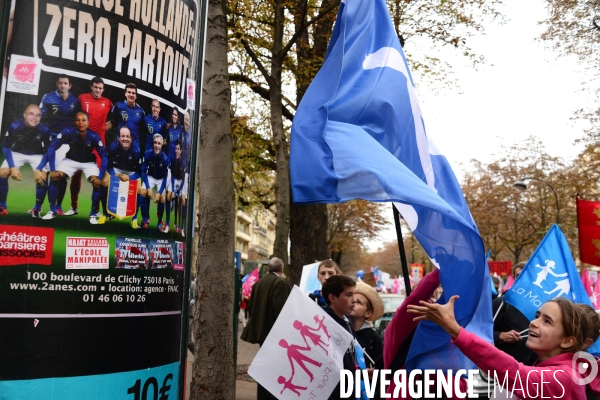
column 302, row 356
column 309, row 281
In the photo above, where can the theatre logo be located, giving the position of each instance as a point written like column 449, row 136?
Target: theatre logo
column 25, row 245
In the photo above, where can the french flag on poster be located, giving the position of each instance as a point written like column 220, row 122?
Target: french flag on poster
column 122, row 197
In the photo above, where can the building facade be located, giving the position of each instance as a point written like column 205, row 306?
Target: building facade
column 255, row 233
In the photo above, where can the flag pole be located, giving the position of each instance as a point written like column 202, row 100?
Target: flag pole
column 402, row 251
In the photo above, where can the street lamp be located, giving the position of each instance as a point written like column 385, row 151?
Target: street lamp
column 522, row 185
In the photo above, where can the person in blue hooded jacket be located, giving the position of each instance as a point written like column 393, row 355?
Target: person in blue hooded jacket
column 327, row 268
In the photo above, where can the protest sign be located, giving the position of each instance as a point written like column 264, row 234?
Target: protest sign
column 309, row 280
column 302, row 355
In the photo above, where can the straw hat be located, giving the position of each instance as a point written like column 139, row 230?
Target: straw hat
column 374, row 299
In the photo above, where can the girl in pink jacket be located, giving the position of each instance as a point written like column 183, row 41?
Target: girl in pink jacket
column 558, row 331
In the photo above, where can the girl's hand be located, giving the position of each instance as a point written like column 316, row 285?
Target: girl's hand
column 443, row 315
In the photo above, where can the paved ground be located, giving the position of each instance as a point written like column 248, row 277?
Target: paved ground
column 245, row 387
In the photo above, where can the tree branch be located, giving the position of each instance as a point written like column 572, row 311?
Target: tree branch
column 254, row 57
column 245, row 16
column 301, row 30
column 262, row 92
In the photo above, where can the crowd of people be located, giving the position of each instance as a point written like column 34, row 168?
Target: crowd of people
column 560, row 329
column 147, row 149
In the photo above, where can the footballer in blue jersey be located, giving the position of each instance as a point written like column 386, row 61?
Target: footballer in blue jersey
column 155, row 124
column 58, row 107
column 128, row 113
column 25, row 142
column 124, row 162
column 176, row 190
column 82, row 142
column 175, row 132
column 155, row 171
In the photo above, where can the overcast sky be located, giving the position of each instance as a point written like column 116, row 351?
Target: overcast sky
column 523, row 90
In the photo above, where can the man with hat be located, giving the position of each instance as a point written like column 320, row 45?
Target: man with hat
column 368, row 308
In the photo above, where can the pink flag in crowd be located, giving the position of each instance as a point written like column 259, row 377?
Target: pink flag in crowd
column 509, row 282
column 247, row 286
column 595, row 297
column 396, row 287
column 587, row 284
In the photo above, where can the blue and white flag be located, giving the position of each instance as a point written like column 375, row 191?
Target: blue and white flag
column 359, row 133
column 549, row 273
column 361, row 364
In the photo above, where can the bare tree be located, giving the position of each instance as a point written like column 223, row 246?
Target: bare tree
column 571, row 28
column 213, row 371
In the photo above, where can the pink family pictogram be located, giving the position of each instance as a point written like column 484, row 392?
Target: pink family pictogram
column 289, row 385
column 305, row 331
column 321, row 326
column 295, row 352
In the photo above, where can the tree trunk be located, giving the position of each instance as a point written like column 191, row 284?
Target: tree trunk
column 336, row 256
column 308, row 236
column 213, row 375
column 282, row 187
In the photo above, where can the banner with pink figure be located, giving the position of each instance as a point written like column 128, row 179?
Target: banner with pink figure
column 305, row 347
column 587, row 284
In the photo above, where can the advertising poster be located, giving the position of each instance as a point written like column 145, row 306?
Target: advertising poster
column 132, row 253
column 179, row 254
column 161, row 254
column 99, row 104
